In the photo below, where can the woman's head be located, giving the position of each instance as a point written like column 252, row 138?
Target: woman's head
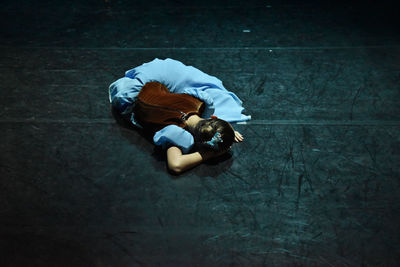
column 215, row 134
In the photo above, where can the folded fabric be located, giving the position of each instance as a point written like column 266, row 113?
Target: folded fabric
column 174, row 135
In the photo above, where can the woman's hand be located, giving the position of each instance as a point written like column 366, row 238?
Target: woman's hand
column 209, row 154
column 238, row 137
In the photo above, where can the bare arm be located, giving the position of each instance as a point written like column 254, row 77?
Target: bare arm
column 178, row 162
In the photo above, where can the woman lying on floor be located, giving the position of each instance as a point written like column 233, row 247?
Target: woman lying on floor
column 187, row 110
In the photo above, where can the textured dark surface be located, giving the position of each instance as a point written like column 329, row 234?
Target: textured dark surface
column 316, row 182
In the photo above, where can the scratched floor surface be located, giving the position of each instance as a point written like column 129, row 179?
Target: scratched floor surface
column 316, row 182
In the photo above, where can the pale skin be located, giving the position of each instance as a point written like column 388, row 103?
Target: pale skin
column 179, row 162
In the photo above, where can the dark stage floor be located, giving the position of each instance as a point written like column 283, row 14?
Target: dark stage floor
column 316, row 182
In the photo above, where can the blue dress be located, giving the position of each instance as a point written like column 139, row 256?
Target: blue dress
column 178, row 78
